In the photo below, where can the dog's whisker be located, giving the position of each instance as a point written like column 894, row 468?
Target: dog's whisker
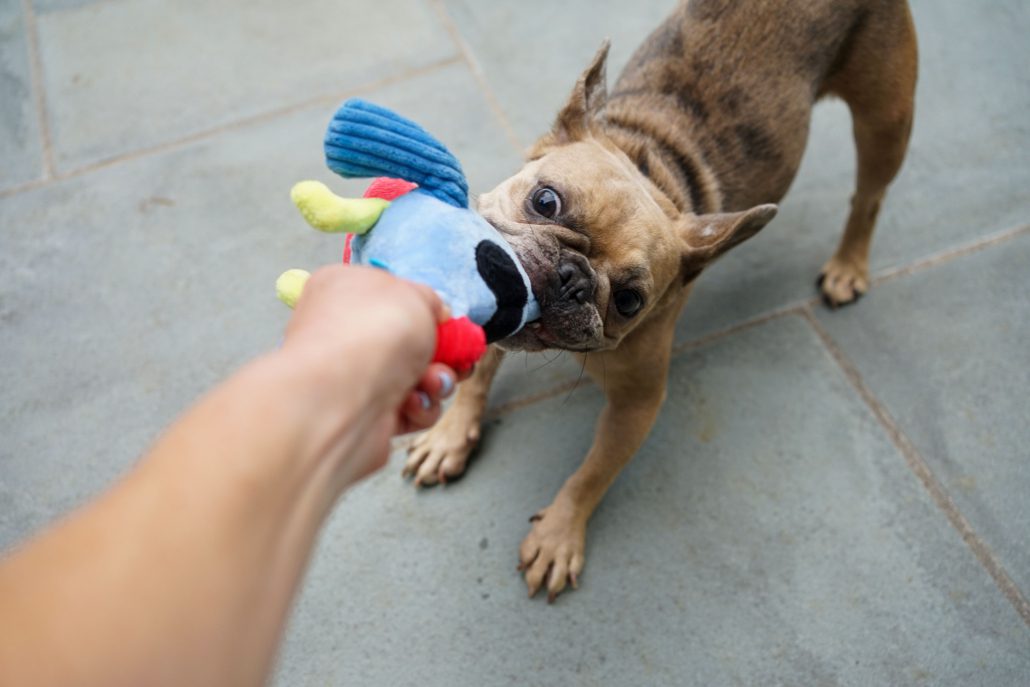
column 578, row 379
column 558, row 354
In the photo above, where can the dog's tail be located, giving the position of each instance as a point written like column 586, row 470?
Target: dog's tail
column 366, row 140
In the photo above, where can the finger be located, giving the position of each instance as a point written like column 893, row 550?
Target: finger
column 441, row 313
column 419, row 411
column 438, row 382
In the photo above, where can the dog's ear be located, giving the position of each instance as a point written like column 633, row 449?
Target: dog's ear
column 706, row 237
column 588, row 97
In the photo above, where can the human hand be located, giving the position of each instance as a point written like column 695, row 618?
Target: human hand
column 368, row 338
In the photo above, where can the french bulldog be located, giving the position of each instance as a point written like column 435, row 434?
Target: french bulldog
column 622, row 205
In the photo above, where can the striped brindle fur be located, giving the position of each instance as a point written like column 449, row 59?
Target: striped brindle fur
column 631, row 195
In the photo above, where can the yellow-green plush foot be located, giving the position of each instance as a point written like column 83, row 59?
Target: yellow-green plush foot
column 326, row 211
column 290, row 284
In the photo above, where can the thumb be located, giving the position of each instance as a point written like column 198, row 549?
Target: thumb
column 432, row 299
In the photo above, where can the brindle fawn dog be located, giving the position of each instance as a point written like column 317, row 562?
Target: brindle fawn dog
column 631, row 195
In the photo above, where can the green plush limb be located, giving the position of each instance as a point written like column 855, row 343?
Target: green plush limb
column 326, row 211
column 290, row 284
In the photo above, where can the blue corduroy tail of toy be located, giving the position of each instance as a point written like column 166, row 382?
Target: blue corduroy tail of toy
column 366, row 140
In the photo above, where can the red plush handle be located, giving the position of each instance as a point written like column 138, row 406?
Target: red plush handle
column 460, row 342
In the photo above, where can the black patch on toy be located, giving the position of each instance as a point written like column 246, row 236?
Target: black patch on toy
column 502, row 276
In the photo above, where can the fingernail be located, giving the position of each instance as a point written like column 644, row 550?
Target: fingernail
column 446, row 384
column 424, row 399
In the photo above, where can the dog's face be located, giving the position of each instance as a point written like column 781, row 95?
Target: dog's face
column 602, row 246
column 599, row 250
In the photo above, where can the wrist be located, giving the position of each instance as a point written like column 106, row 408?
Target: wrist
column 338, row 407
column 315, row 394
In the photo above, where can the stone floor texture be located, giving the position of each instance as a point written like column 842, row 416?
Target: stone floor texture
column 828, row 498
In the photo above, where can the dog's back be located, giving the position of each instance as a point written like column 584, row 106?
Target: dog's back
column 736, row 81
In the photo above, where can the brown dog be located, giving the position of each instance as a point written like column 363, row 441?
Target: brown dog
column 631, row 195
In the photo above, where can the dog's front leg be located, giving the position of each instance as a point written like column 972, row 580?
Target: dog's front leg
column 443, row 451
column 633, row 378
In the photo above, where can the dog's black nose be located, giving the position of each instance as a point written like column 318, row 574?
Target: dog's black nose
column 576, row 283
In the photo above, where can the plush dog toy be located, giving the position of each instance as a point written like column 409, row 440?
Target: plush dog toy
column 414, row 221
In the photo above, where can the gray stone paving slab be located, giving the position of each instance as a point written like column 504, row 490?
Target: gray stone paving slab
column 42, row 6
column 767, row 533
column 128, row 75
column 532, row 52
column 966, row 175
column 132, row 289
column 946, row 352
column 20, row 144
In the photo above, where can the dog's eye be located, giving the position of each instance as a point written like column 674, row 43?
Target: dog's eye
column 546, row 202
column 628, row 302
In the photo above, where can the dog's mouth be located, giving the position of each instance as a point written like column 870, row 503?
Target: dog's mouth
column 539, row 330
column 565, row 323
column 534, row 258
column 535, row 337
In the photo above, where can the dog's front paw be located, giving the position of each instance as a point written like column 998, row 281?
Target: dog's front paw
column 843, row 281
column 551, row 555
column 442, row 452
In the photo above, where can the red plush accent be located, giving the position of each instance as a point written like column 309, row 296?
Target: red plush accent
column 460, row 342
column 346, row 248
column 388, row 189
column 385, row 188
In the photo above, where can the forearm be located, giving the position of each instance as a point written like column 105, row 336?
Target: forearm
column 184, row 572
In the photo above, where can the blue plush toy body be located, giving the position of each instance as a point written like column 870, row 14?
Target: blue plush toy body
column 458, row 254
column 422, row 230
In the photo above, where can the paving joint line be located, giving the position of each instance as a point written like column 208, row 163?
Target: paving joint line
column 701, row 341
column 568, row 385
column 25, row 186
column 236, row 125
column 38, row 91
column 949, row 254
column 502, row 409
column 479, row 75
column 921, row 469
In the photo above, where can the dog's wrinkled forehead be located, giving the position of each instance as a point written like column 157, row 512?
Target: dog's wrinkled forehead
column 599, row 189
column 593, row 180
column 590, row 165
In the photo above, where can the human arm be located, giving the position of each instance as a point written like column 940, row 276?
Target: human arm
column 184, row 572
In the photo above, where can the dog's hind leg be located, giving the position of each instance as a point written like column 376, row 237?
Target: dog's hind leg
column 876, row 78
